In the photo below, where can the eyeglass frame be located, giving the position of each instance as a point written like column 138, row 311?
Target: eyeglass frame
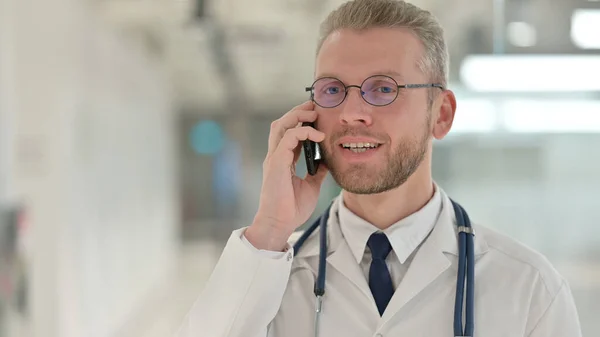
column 398, row 86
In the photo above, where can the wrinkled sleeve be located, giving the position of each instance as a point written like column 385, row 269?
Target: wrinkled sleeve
column 243, row 293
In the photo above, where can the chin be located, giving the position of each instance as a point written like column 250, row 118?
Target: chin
column 360, row 179
column 364, row 187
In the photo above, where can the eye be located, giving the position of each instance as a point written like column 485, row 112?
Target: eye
column 378, row 86
column 332, row 90
column 385, row 89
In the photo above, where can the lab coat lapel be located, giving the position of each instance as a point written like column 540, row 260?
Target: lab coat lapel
column 428, row 264
column 432, row 259
column 342, row 260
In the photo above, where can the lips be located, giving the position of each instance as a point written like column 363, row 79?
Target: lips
column 360, row 147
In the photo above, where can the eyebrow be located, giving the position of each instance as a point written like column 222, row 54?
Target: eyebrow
column 390, row 73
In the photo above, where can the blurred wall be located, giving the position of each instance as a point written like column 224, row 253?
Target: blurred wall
column 539, row 189
column 6, row 101
column 94, row 166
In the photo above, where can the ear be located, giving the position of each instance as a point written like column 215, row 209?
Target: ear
column 445, row 114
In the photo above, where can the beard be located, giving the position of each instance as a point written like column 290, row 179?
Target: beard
column 400, row 164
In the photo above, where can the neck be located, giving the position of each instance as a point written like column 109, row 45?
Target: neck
column 385, row 209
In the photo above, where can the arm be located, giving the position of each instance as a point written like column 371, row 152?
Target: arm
column 560, row 318
column 246, row 288
column 243, row 294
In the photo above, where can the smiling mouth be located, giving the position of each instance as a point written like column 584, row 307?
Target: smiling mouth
column 359, row 147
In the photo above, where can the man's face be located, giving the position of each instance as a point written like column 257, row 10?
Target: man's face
column 401, row 130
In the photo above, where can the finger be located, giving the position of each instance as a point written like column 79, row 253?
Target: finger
column 308, row 105
column 288, row 121
column 301, row 113
column 297, row 152
column 285, row 151
column 317, row 180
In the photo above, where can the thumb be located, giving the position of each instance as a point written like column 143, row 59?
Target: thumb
column 319, row 177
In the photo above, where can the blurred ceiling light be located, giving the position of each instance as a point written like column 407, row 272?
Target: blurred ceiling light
column 526, row 116
column 552, row 116
column 474, row 115
column 531, row 73
column 521, row 34
column 585, row 28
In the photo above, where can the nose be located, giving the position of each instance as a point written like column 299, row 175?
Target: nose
column 355, row 110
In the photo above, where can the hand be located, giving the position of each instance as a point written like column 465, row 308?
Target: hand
column 286, row 200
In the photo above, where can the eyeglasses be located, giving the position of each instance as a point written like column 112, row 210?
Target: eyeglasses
column 377, row 90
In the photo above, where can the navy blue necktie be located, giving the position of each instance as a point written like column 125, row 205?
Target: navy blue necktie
column 380, row 280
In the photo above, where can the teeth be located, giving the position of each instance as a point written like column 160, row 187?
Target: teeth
column 360, row 145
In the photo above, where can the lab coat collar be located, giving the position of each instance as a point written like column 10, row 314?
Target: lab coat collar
column 430, row 261
column 405, row 235
column 433, row 258
column 310, row 248
column 444, row 233
column 339, row 255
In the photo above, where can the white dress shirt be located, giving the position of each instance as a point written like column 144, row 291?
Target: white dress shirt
column 405, row 236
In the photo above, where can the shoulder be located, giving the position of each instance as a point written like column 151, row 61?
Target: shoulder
column 303, row 256
column 309, row 247
column 306, row 247
column 520, row 258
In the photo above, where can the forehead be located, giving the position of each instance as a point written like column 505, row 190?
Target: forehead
column 353, row 55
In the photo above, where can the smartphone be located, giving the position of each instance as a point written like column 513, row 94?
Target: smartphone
column 312, row 153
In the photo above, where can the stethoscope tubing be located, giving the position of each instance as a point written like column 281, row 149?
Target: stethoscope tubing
column 466, row 269
column 466, row 262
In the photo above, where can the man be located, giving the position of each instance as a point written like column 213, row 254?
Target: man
column 375, row 135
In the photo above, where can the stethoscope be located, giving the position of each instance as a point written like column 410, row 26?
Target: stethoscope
column 466, row 267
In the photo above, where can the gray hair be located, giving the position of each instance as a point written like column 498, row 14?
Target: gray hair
column 365, row 14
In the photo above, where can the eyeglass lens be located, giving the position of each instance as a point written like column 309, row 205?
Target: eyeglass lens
column 376, row 90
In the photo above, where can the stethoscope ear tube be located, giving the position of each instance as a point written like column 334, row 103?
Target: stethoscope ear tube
column 305, row 236
column 470, row 312
column 466, row 263
column 320, row 284
column 319, row 288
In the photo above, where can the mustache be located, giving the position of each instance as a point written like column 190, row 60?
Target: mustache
column 355, row 132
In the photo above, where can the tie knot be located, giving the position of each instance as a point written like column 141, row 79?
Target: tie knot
column 379, row 245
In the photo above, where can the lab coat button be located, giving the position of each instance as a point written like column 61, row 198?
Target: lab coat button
column 289, row 256
column 378, row 335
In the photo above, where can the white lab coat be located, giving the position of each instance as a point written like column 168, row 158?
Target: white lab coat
column 517, row 291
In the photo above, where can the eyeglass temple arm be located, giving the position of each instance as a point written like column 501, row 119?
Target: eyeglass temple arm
column 432, row 85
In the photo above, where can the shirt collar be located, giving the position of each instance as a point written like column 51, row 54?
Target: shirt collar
column 405, row 235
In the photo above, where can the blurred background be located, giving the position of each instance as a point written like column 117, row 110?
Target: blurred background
column 132, row 134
